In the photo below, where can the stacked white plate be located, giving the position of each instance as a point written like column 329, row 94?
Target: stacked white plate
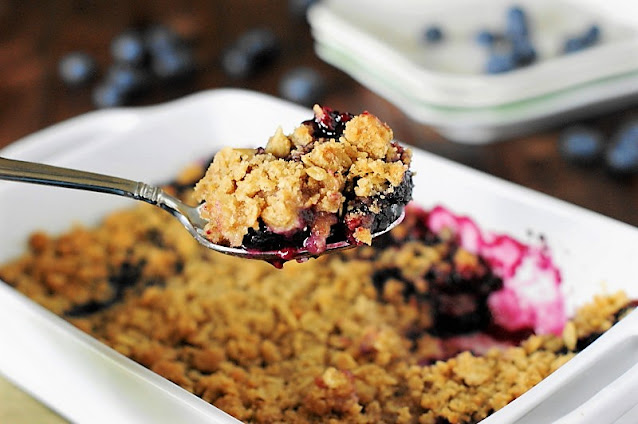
column 381, row 44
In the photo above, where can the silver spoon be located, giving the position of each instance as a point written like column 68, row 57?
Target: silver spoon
column 37, row 173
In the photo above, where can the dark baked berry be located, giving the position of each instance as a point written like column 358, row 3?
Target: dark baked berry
column 265, row 240
column 127, row 276
column 328, row 124
column 77, row 68
column 585, row 341
column 383, row 275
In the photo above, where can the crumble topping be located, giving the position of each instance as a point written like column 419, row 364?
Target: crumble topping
column 336, row 164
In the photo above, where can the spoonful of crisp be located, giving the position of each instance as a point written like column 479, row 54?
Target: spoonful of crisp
column 336, row 182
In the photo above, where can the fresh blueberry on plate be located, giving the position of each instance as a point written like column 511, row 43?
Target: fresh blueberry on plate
column 581, row 145
column 516, row 22
column 523, row 50
column 574, row 44
column 500, row 62
column 583, row 41
column 592, row 35
column 433, row 34
column 486, row 38
column 302, row 85
column 77, row 68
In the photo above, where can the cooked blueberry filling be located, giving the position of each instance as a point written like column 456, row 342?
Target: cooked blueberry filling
column 124, row 278
column 330, row 124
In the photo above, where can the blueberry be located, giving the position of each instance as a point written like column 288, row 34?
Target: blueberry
column 622, row 158
column 486, row 38
column 77, row 68
column 628, row 133
column 252, row 50
column 592, row 35
column 299, row 8
column 499, row 62
column 237, row 63
column 302, row 85
column 128, row 79
column 260, row 44
column 107, row 95
column 129, row 48
column 581, row 145
column 523, row 51
column 173, row 63
column 574, row 44
column 581, row 42
column 433, row 34
column 622, row 155
column 516, row 22
column 160, row 38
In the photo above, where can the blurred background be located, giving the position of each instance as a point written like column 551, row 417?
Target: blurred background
column 63, row 58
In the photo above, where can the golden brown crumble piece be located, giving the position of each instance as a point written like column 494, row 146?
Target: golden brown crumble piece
column 337, row 175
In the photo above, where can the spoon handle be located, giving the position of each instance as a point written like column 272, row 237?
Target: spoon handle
column 37, row 173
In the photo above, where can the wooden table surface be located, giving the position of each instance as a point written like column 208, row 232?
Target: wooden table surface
column 34, row 35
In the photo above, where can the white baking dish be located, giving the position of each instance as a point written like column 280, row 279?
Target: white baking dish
column 86, row 381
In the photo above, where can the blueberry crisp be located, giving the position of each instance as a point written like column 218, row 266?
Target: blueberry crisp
column 335, row 177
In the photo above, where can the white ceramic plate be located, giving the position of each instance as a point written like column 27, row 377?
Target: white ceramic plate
column 484, row 125
column 85, row 381
column 381, row 45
